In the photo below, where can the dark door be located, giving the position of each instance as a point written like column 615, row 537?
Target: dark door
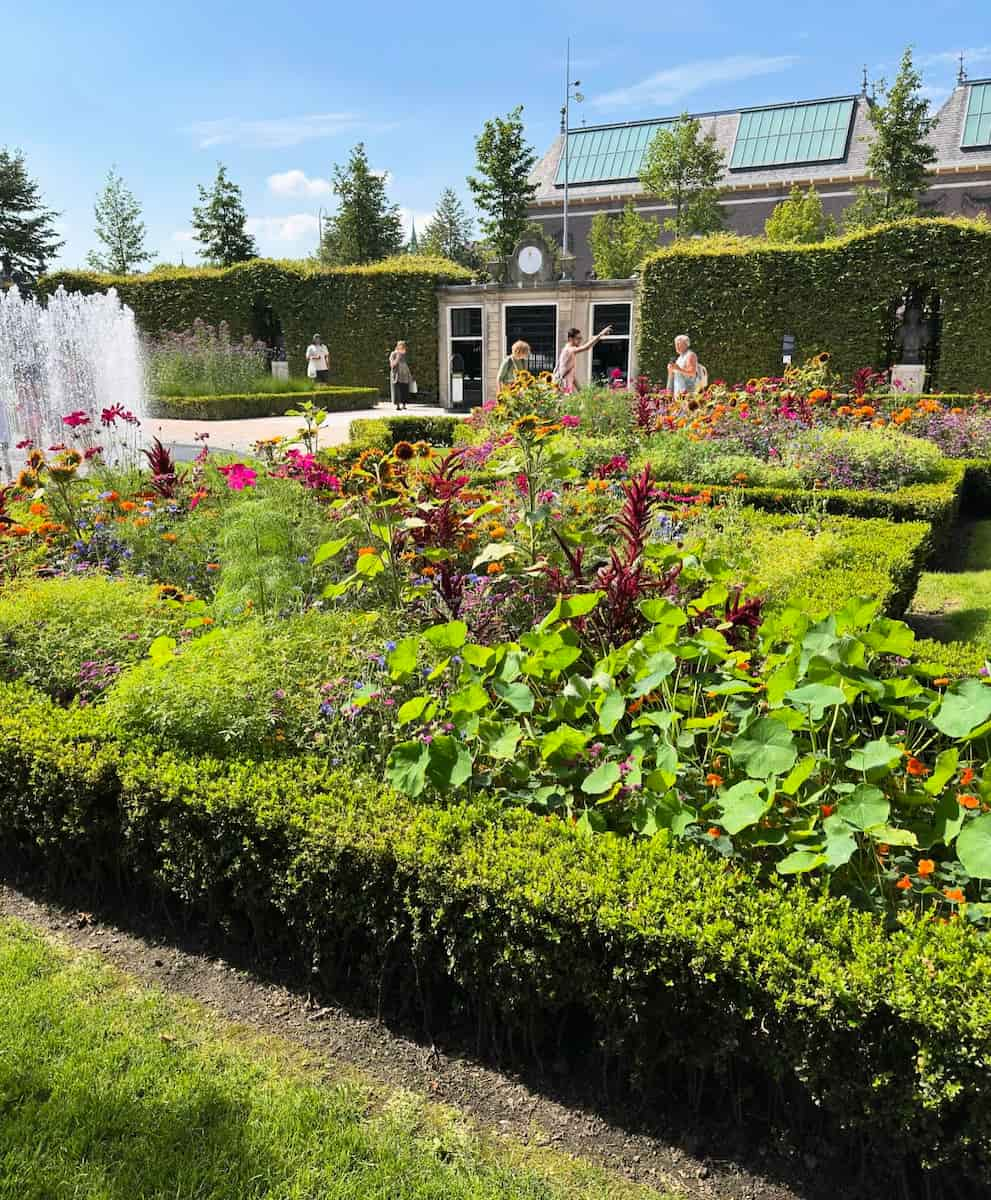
column 466, row 354
column 535, row 324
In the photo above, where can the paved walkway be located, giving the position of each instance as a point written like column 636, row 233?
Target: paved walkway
column 241, row 435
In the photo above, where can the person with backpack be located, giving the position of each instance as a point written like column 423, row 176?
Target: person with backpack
column 685, row 372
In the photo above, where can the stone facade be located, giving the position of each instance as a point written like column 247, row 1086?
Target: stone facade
column 960, row 180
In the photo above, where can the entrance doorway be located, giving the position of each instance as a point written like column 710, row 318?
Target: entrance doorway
column 266, row 327
column 613, row 352
column 467, row 365
column 535, row 324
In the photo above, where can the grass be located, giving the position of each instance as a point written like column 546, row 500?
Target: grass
column 112, row 1091
column 955, row 606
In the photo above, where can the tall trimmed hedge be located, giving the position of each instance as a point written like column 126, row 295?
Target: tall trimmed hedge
column 361, row 312
column 737, row 299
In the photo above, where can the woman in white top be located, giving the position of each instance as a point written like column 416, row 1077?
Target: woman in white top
column 683, row 371
column 317, row 360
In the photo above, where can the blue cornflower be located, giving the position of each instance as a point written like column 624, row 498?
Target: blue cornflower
column 390, row 646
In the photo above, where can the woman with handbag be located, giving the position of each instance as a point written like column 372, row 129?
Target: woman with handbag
column 401, row 376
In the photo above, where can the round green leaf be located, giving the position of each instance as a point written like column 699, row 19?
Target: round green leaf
column 974, row 847
column 604, row 777
column 765, row 748
column 865, row 806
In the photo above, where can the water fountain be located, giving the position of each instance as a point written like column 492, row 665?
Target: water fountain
column 74, row 355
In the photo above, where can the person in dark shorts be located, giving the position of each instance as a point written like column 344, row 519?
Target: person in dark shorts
column 318, row 360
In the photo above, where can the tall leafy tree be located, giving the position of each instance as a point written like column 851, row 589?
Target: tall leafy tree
column 219, row 221
column 683, row 168
column 502, row 189
column 619, row 241
column 800, row 218
column 120, row 228
column 28, row 240
column 448, row 233
column 900, row 151
column 366, row 227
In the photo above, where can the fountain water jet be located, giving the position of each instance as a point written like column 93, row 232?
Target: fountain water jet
column 75, row 354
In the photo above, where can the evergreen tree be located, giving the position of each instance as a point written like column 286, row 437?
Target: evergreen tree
column 619, row 241
column 120, row 228
column 502, row 188
column 900, row 152
column 27, row 233
column 799, row 218
column 219, row 220
column 683, row 168
column 449, row 232
column 366, row 227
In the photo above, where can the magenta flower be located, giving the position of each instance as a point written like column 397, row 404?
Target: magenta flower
column 109, row 415
column 239, row 476
column 75, row 419
column 570, row 421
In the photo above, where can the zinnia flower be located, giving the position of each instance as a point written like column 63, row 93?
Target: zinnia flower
column 493, row 568
column 238, row 476
column 75, row 419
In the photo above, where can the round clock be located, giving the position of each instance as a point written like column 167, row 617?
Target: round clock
column 530, row 260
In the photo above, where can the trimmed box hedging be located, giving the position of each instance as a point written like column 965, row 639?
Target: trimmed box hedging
column 679, row 973
column 383, row 432
column 260, row 404
column 737, row 298
column 361, row 312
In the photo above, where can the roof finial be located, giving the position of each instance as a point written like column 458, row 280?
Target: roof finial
column 962, row 73
column 563, row 116
column 863, row 86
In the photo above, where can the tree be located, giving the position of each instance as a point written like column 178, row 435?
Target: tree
column 219, row 220
column 900, row 151
column 619, row 241
column 683, row 168
column 120, row 228
column 27, row 233
column 366, row 227
column 800, row 218
column 449, row 232
column 502, row 188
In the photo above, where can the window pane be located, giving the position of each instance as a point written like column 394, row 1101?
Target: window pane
column 466, row 322
column 616, row 315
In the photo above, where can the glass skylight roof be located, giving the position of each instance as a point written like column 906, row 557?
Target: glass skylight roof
column 977, row 127
column 796, row 133
column 600, row 154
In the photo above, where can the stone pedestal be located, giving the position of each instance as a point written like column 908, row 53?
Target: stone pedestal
column 908, row 377
column 280, row 370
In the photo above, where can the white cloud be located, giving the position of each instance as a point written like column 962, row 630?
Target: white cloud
column 951, row 58
column 296, row 183
column 410, row 215
column 292, row 228
column 673, row 84
column 184, row 235
column 272, row 134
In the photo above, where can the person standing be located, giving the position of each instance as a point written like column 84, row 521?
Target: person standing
column 318, row 360
column 400, row 375
column 683, row 371
column 514, row 362
column 564, row 372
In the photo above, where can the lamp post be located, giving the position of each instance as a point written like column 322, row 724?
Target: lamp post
column 570, row 93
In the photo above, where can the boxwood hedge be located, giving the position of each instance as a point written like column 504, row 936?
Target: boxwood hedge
column 260, row 404
column 679, row 973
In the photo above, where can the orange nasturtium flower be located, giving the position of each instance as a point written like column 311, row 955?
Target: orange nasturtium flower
column 926, row 867
column 954, row 894
column 941, row 682
column 967, row 776
column 714, row 780
column 904, row 884
column 714, row 831
column 915, row 767
column 968, row 801
column 365, row 550
column 38, row 509
column 827, row 810
column 127, row 506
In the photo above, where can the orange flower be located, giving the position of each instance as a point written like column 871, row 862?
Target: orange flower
column 366, row 550
column 967, row 775
column 714, row 780
column 127, row 506
column 714, row 831
column 19, row 531
column 498, row 532
column 968, row 801
column 207, row 620
column 827, row 810
column 915, row 767
column 955, row 894
column 494, row 568
column 904, row 884
column 169, row 537
column 213, row 566
column 38, row 509
column 431, row 571
column 941, row 682
column 926, row 867
column 883, row 849
column 140, row 522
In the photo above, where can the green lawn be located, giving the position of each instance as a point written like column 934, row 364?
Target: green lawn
column 112, row 1091
column 955, row 606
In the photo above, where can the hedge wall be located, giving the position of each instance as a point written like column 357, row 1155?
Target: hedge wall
column 675, row 971
column 361, row 312
column 736, row 300
column 259, row 404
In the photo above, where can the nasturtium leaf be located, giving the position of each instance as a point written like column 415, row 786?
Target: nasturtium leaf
column 742, row 805
column 402, row 660
column 705, row 722
column 799, row 862
column 592, row 821
column 329, row 550
column 974, row 847
column 662, row 612
column 891, row 835
column 470, row 699
column 856, row 613
column 611, row 710
column 873, row 756
column 765, row 748
column 965, row 706
column 781, row 680
column 864, row 806
column 798, row 774
column 943, row 772
column 665, row 769
column 568, row 607
column 477, row 656
column 563, row 742
column 369, row 565
column 840, row 846
column 447, row 637
column 816, row 697
column 406, row 769
column 889, row 637
column 502, row 738
column 420, row 708
column 449, row 763
column 950, row 817
column 605, row 776
column 439, row 670
column 821, row 638
column 517, row 695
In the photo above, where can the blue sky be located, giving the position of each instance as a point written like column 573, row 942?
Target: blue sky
column 280, row 93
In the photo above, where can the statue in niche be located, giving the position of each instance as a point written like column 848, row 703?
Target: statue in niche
column 916, row 332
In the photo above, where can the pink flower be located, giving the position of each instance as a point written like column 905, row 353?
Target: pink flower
column 25, row 445
column 239, row 476
column 75, row 419
column 109, row 415
column 570, row 421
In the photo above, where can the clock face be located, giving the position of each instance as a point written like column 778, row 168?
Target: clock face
column 530, row 260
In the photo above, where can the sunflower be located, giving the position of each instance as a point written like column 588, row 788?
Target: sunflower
column 36, row 459
column 403, row 451
column 27, row 481
column 526, row 426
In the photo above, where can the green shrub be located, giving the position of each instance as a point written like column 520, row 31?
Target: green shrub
column 256, row 687
column 682, row 974
column 879, row 460
column 257, row 404
column 50, row 628
column 383, row 432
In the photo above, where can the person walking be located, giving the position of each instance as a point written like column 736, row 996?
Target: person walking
column 400, row 375
column 514, row 362
column 683, row 371
column 564, row 372
column 317, row 360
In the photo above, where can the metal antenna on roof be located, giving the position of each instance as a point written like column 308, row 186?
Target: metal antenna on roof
column 863, row 86
column 962, row 73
